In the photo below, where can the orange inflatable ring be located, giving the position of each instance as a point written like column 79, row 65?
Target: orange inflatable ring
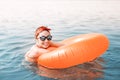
column 77, row 50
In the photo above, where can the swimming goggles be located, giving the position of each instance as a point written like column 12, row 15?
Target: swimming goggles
column 43, row 38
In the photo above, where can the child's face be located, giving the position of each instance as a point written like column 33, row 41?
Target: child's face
column 44, row 39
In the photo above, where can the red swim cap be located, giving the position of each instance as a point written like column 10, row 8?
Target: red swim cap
column 40, row 29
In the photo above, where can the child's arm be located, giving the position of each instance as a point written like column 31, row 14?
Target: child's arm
column 56, row 44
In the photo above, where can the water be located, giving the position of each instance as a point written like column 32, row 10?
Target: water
column 19, row 19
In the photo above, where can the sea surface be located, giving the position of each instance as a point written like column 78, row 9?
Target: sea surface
column 66, row 18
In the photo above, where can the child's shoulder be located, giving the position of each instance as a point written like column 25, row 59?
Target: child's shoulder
column 34, row 48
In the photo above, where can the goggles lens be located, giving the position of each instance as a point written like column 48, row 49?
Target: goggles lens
column 43, row 38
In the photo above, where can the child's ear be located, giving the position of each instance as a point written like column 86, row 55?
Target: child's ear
column 36, row 40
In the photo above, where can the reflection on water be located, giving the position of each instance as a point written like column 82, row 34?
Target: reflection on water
column 87, row 71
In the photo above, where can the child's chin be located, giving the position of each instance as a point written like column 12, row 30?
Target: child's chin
column 45, row 47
